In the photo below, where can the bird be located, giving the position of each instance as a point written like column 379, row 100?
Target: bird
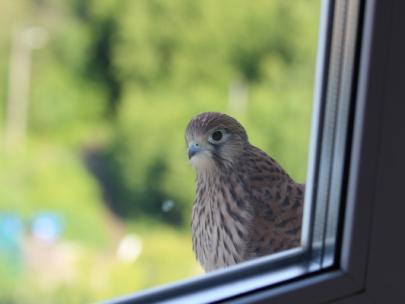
column 246, row 205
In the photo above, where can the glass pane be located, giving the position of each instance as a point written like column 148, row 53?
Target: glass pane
column 331, row 132
column 97, row 189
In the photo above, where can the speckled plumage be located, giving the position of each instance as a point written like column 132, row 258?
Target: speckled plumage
column 246, row 205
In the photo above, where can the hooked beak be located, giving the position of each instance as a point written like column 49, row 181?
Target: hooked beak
column 193, row 149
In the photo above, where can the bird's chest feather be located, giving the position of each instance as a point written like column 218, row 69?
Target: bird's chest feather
column 219, row 226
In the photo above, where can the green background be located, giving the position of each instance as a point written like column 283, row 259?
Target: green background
column 112, row 87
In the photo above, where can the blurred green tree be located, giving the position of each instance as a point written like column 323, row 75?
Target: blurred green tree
column 177, row 58
column 111, row 92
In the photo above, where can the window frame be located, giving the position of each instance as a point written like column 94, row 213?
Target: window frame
column 347, row 281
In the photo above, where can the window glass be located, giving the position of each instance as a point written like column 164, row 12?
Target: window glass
column 97, row 189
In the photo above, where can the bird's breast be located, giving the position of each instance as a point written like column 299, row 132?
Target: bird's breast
column 219, row 226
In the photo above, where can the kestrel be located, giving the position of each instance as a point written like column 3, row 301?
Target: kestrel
column 246, row 205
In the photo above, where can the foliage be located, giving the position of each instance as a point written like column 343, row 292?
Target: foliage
column 111, row 91
column 44, row 181
column 163, row 85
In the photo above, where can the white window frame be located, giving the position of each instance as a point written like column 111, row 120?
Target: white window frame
column 370, row 262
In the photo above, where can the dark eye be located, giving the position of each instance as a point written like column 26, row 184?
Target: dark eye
column 217, row 135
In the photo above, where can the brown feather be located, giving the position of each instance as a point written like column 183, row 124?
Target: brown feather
column 246, row 205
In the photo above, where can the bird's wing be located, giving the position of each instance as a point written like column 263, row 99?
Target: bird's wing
column 278, row 201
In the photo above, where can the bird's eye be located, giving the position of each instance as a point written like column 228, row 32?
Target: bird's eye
column 216, row 137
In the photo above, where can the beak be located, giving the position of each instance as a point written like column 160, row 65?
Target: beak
column 193, row 149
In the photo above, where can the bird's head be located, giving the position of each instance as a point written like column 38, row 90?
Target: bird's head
column 214, row 140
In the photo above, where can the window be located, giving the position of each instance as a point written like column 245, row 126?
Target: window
column 327, row 181
column 356, row 174
column 352, row 238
